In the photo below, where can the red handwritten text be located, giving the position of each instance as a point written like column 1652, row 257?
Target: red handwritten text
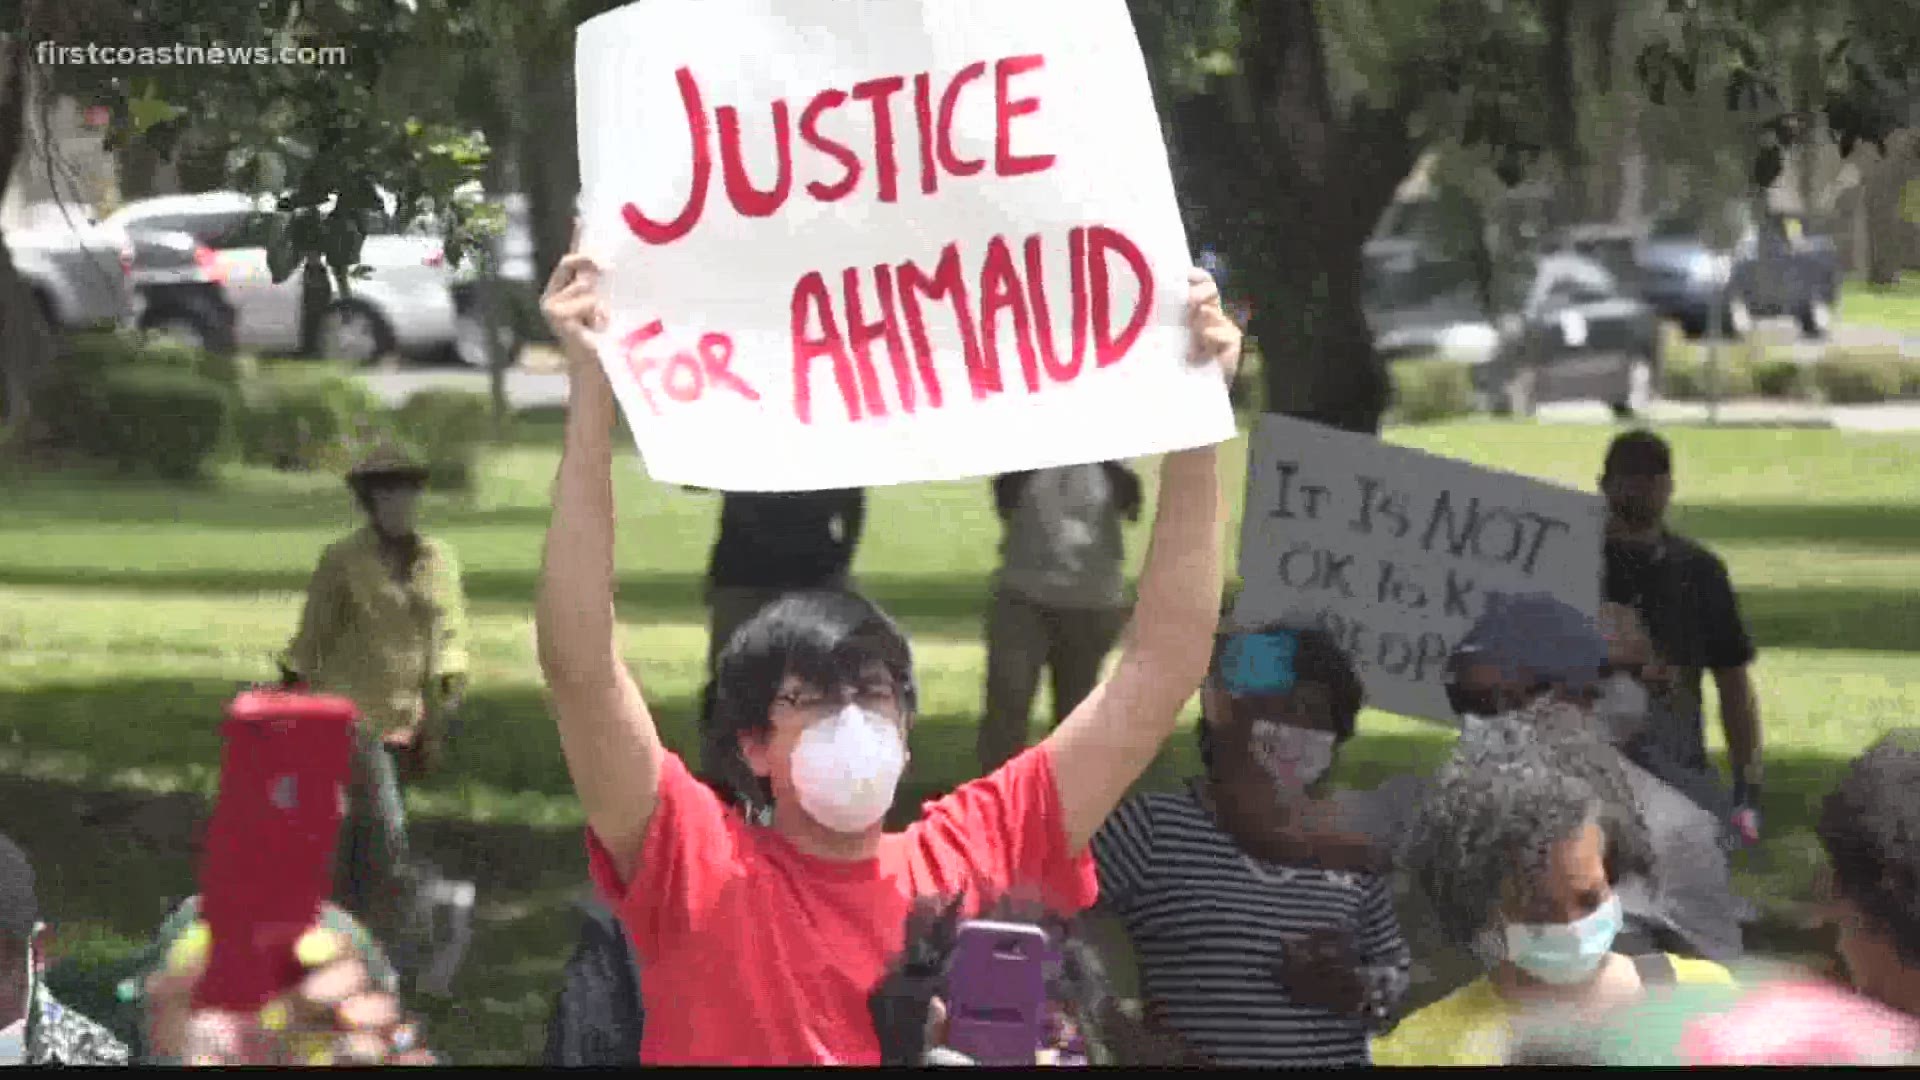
column 932, row 124
column 1001, row 312
column 685, row 377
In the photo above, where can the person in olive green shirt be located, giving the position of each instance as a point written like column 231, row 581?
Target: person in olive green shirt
column 385, row 625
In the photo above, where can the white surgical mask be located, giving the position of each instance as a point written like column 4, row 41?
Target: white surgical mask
column 1622, row 707
column 1293, row 757
column 846, row 767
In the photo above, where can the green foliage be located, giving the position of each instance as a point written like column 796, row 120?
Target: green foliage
column 172, row 421
column 1781, row 378
column 301, row 421
column 1427, row 391
column 229, row 369
column 446, row 428
column 1687, row 376
column 1863, row 377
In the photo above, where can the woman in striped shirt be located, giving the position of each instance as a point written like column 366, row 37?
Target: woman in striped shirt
column 1263, row 933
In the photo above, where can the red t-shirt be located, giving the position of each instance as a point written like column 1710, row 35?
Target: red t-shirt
column 754, row 953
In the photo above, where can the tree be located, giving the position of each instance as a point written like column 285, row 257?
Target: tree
column 1297, row 120
column 321, row 135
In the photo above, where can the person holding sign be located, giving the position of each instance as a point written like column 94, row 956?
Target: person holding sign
column 1263, row 937
column 762, row 944
column 1060, row 597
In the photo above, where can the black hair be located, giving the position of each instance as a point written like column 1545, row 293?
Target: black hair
column 1870, row 827
column 1320, row 660
column 825, row 638
column 1638, row 453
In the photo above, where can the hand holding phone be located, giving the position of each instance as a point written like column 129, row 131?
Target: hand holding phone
column 997, row 992
column 268, row 861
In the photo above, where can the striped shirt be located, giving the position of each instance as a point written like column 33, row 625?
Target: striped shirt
column 1209, row 925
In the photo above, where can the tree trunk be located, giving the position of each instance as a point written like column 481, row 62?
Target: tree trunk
column 548, row 158
column 1561, row 81
column 26, row 342
column 1884, row 178
column 1328, row 178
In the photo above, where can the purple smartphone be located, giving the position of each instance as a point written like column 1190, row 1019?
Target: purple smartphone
column 997, row 992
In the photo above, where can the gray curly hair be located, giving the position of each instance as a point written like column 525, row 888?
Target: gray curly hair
column 1516, row 785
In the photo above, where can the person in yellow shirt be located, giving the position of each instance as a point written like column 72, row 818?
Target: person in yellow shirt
column 385, row 625
column 1518, row 847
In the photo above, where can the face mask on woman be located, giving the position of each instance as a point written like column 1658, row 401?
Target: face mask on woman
column 1565, row 953
column 846, row 767
column 1294, row 758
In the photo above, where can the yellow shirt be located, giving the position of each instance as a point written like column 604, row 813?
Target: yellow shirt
column 1472, row 1025
column 381, row 642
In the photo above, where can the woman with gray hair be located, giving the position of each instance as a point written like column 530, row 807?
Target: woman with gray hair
column 1523, row 836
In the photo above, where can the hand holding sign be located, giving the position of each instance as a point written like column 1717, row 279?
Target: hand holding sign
column 575, row 312
column 859, row 242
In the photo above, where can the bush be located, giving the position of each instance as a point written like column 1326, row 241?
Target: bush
column 1685, row 374
column 172, row 421
column 300, row 421
column 1426, row 391
column 1774, row 377
column 447, row 428
column 1862, row 377
column 1910, row 377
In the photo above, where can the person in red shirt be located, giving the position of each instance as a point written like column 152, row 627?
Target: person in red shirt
column 763, row 934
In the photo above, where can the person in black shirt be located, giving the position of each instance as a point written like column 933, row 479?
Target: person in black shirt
column 1687, row 604
column 771, row 544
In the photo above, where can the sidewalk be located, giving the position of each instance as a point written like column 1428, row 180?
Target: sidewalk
column 1892, row 417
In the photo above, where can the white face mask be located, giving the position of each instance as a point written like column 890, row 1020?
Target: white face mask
column 1622, row 708
column 846, row 767
column 1293, row 757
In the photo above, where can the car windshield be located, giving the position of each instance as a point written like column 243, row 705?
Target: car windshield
column 1402, row 281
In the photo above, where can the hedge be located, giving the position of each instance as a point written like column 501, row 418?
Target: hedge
column 309, row 420
column 1428, row 391
column 172, row 421
column 446, row 428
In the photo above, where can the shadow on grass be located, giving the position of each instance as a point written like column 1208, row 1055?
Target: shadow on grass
column 928, row 604
column 1885, row 527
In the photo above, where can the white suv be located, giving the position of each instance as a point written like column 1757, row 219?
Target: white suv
column 405, row 304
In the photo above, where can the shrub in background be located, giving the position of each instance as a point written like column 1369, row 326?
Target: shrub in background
column 447, row 428
column 306, row 420
column 174, row 421
column 1859, row 376
column 1428, row 391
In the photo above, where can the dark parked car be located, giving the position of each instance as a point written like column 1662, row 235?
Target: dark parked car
column 1562, row 328
column 1774, row 266
column 1570, row 332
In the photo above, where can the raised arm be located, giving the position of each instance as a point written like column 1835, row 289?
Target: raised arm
column 606, row 732
column 1109, row 740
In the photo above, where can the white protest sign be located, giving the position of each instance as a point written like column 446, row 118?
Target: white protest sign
column 862, row 242
column 1395, row 551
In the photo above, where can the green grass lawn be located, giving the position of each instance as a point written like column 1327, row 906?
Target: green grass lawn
column 1895, row 308
column 129, row 613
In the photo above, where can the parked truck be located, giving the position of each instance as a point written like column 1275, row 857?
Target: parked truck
column 1722, row 275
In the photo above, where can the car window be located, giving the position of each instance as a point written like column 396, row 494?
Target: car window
column 240, row 231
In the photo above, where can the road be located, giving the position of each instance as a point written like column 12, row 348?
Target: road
column 539, row 383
